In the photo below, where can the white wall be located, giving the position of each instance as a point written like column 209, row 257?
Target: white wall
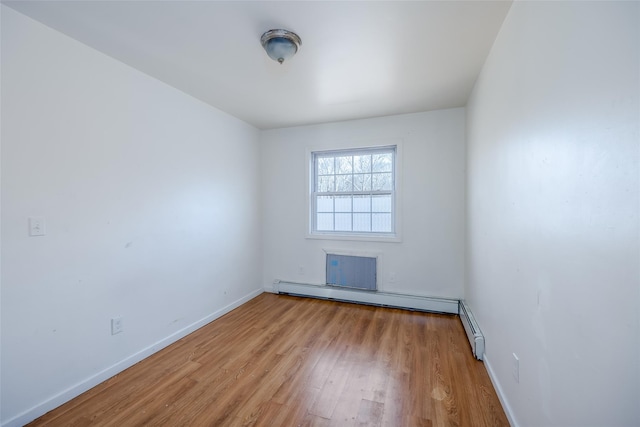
column 151, row 200
column 430, row 258
column 553, row 235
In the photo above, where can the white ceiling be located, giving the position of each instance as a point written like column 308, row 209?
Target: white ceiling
column 358, row 58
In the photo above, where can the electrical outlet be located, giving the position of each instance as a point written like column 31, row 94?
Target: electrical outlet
column 36, row 226
column 515, row 369
column 117, row 325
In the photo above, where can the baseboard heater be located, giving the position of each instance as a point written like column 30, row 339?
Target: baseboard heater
column 409, row 302
column 476, row 339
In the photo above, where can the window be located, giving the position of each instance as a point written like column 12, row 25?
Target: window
column 353, row 192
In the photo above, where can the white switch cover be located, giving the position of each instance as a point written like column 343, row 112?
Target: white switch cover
column 117, row 325
column 36, row 226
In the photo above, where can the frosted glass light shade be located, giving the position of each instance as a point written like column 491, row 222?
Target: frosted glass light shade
column 280, row 45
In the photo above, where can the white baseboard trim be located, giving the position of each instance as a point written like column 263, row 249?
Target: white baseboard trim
column 79, row 388
column 412, row 302
column 503, row 400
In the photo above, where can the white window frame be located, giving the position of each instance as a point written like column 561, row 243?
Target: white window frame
column 394, row 235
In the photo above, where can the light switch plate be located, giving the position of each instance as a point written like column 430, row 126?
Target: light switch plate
column 117, row 325
column 36, row 226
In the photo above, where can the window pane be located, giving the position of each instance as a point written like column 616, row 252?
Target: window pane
column 381, row 204
column 343, row 222
column 325, row 165
column 367, row 172
column 344, row 183
column 343, row 164
column 324, row 204
column 324, row 222
column 381, row 223
column 361, row 222
column 382, row 181
column 326, row 183
column 362, row 203
column 343, row 204
column 362, row 182
column 382, row 162
column 362, row 164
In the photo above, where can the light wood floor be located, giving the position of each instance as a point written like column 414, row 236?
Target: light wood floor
column 287, row 361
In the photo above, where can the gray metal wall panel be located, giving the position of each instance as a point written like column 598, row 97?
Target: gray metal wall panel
column 351, row 271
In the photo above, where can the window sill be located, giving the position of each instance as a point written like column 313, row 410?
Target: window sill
column 355, row 237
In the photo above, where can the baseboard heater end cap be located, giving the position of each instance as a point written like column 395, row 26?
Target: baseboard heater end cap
column 472, row 329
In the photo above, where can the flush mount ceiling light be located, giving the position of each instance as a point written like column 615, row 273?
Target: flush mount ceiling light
column 280, row 44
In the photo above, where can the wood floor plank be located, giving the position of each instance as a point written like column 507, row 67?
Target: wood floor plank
column 369, row 413
column 287, row 361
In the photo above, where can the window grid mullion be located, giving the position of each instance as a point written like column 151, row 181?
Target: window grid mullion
column 333, row 213
column 333, row 198
column 352, row 188
column 355, row 193
column 371, row 209
column 371, row 197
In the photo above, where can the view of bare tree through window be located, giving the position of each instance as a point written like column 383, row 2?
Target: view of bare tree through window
column 353, row 191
